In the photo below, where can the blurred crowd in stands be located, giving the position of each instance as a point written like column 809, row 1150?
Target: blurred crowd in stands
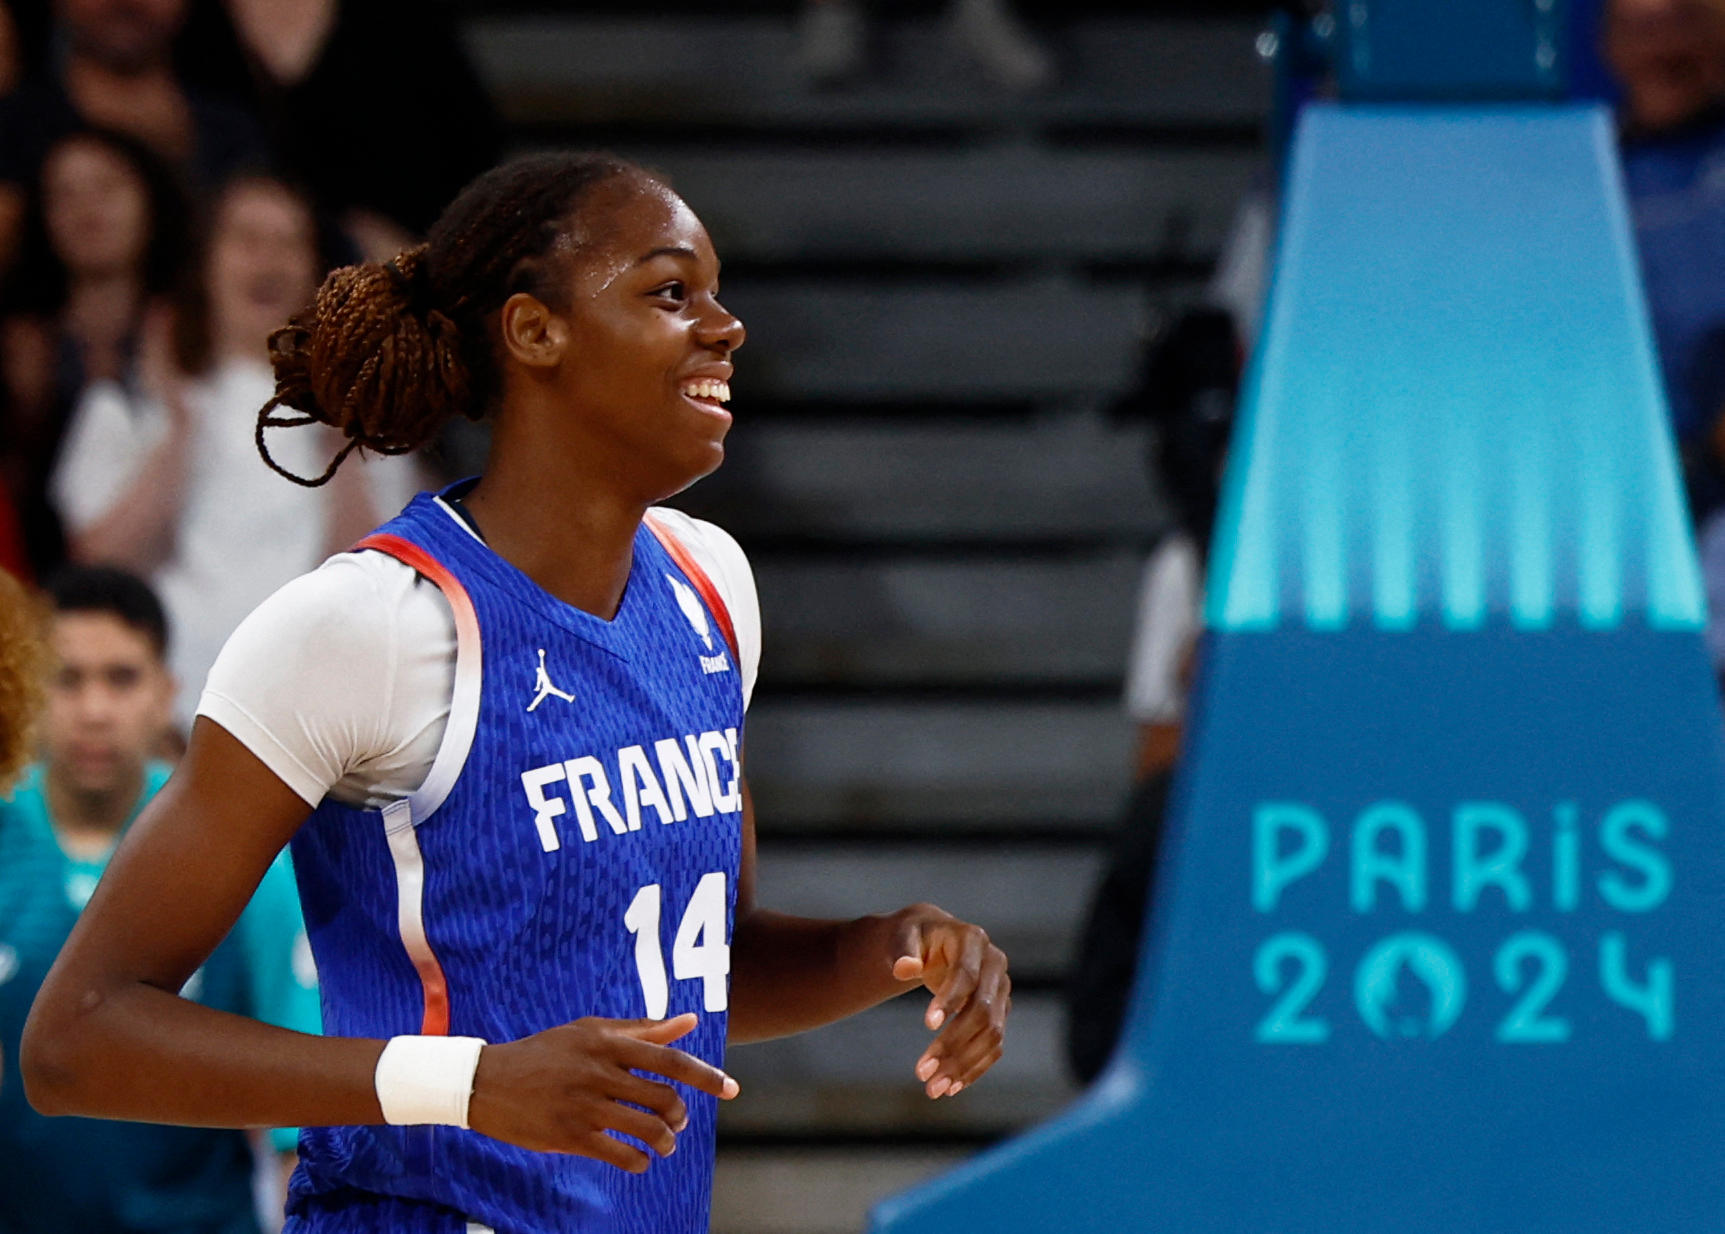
column 175, row 178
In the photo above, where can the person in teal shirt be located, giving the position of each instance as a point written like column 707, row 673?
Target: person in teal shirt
column 109, row 703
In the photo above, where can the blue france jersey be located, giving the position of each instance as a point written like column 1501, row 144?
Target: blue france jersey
column 573, row 852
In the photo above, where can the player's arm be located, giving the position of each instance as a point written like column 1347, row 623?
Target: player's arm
column 794, row 973
column 109, row 1037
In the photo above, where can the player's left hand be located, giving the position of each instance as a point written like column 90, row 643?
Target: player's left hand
column 972, row 994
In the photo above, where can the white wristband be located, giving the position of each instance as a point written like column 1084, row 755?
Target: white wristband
column 427, row 1079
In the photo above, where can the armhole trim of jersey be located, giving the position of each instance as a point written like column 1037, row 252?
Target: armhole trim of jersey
column 463, row 720
column 703, row 585
column 410, row 917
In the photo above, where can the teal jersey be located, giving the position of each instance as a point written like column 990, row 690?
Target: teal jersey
column 70, row 1175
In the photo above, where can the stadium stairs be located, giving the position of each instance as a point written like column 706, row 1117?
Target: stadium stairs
column 945, row 286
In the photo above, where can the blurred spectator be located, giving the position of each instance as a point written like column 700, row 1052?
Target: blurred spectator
column 108, row 698
column 1187, row 393
column 107, row 234
column 396, row 66
column 166, row 479
column 833, row 42
column 1669, row 59
column 117, row 72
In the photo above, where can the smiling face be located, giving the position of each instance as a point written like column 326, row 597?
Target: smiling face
column 630, row 341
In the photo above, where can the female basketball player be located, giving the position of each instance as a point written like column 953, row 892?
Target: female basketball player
column 504, row 742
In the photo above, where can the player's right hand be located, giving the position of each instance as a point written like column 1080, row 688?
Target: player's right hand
column 563, row 1090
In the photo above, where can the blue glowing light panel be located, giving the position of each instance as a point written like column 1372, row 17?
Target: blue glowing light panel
column 1439, row 938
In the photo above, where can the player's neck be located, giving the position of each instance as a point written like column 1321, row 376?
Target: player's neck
column 571, row 534
column 87, row 822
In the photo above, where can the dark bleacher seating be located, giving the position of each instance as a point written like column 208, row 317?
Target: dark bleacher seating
column 978, row 619
column 842, row 476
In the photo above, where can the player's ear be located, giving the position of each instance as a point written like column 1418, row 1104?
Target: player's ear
column 532, row 334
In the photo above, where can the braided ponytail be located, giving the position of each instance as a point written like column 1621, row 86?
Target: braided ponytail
column 372, row 358
column 390, row 352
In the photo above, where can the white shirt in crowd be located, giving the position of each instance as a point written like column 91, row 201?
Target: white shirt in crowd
column 341, row 681
column 1167, row 623
column 243, row 531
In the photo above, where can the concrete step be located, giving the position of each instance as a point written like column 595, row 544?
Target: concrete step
column 1030, row 898
column 816, row 1190
column 855, row 1077
column 859, row 762
column 1004, row 202
column 740, row 72
column 1053, row 477
column 933, row 338
column 899, row 621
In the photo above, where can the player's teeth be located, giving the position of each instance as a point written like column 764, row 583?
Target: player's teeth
column 717, row 390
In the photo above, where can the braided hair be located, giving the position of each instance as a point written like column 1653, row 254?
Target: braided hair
column 390, row 351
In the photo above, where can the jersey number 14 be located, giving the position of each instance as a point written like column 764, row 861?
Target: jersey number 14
column 700, row 949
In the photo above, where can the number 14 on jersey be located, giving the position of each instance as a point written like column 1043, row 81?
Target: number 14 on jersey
column 700, row 950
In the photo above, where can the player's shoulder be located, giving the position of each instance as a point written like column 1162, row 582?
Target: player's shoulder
column 351, row 595
column 715, row 550
column 350, row 616
column 700, row 536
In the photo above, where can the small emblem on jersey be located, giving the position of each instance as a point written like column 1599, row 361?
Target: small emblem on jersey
column 715, row 661
column 542, row 684
column 8, row 962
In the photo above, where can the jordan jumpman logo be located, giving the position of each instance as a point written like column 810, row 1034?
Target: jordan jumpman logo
column 546, row 689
